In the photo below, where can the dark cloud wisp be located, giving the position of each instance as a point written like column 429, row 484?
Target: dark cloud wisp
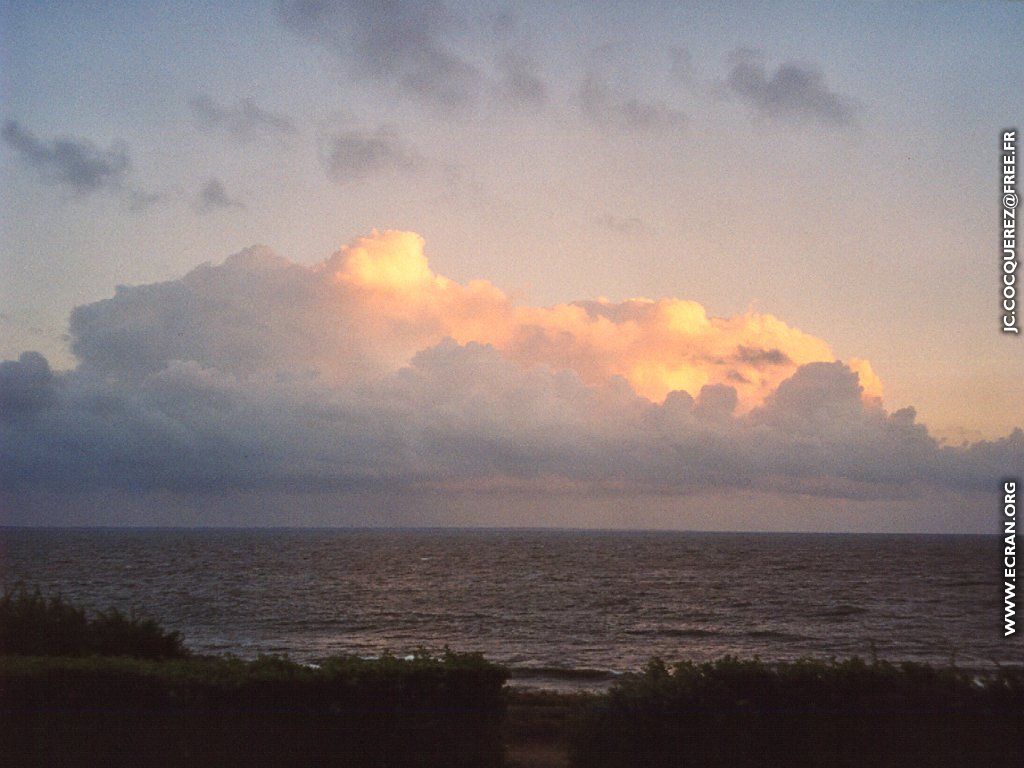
column 793, row 91
column 243, row 120
column 519, row 81
column 354, row 154
column 407, row 43
column 76, row 164
column 604, row 105
column 214, row 197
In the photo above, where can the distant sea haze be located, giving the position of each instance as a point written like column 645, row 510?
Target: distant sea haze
column 563, row 608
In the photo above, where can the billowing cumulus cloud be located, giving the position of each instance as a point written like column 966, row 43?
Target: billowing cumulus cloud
column 370, row 373
column 376, row 303
column 26, row 385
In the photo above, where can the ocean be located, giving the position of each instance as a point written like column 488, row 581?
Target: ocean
column 564, row 609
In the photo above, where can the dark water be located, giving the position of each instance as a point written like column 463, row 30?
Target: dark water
column 538, row 600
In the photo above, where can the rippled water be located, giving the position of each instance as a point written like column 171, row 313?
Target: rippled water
column 533, row 599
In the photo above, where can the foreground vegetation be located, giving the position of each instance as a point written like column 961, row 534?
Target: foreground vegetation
column 112, row 690
column 427, row 711
column 33, row 625
column 116, row 690
column 847, row 713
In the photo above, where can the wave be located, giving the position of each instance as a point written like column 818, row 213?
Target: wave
column 841, row 610
column 674, row 632
column 970, row 583
column 561, row 673
column 774, row 634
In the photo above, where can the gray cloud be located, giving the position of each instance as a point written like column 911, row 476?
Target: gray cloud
column 406, row 43
column 604, row 105
column 27, row 385
column 505, row 22
column 762, row 357
column 623, row 225
column 681, row 65
column 219, row 317
column 243, row 120
column 213, row 197
column 460, row 416
column 519, row 82
column 355, row 154
column 792, row 91
column 262, row 375
column 77, row 164
column 141, row 199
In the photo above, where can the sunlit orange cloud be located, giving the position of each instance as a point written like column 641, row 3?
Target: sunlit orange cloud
column 656, row 345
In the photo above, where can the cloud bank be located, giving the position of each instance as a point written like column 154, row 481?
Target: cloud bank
column 368, row 373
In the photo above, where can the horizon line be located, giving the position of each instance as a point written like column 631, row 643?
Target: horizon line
column 479, row 528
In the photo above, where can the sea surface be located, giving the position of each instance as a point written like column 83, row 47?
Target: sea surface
column 563, row 608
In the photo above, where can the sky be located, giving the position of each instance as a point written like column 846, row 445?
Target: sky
column 575, row 264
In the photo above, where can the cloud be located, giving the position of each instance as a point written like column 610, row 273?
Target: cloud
column 623, row 225
column 382, row 303
column 519, row 82
column 793, row 91
column 142, row 199
column 404, row 43
column 244, row 120
column 506, row 21
column 26, row 386
column 604, row 105
column 213, row 197
column 76, row 164
column 681, row 65
column 368, row 373
column 762, row 357
column 354, row 154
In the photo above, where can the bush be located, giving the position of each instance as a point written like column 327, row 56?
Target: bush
column 739, row 713
column 32, row 625
column 427, row 711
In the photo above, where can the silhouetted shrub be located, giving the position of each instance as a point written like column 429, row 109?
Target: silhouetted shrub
column 746, row 713
column 33, row 625
column 426, row 710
